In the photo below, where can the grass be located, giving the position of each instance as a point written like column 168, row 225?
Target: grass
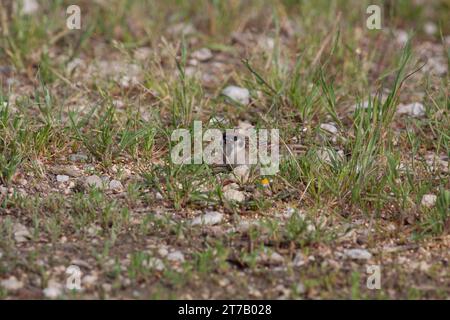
column 114, row 91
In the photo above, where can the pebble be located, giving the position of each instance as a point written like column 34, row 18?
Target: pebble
column 62, row 178
column 21, row 233
column 428, row 200
column 202, row 55
column 89, row 280
column 299, row 260
column 329, row 127
column 53, row 291
column 163, row 252
column 156, row 263
column 430, row 28
column 415, row 109
column 233, row 195
column 401, row 36
column 175, row 256
column 209, row 218
column 357, row 254
column 116, row 185
column 300, row 288
column 94, row 181
column 276, row 258
column 242, row 173
column 11, row 284
column 71, row 171
column 78, row 157
column 241, row 95
column 29, row 7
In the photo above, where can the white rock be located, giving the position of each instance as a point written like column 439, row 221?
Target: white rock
column 116, row 185
column 62, row 178
column 428, row 200
column 11, row 284
column 175, row 256
column 329, row 127
column 203, row 54
column 436, row 65
column 242, row 173
column 300, row 288
column 94, row 181
column 74, row 64
column 163, row 252
column 299, row 260
column 78, row 157
column 415, row 109
column 21, row 233
column 29, row 6
column 155, row 263
column 276, row 258
column 401, row 36
column 430, row 28
column 209, row 218
column 241, row 95
column 71, row 171
column 89, row 280
column 53, row 291
column 357, row 254
column 233, row 195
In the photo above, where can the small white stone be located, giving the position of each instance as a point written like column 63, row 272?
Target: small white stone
column 116, row 185
column 203, row 54
column 300, row 288
column 428, row 200
column 163, row 252
column 276, row 258
column 329, row 127
column 62, row 178
column 415, row 109
column 175, row 256
column 89, row 280
column 21, row 233
column 430, row 28
column 78, row 157
column 11, row 284
column 241, row 95
column 299, row 260
column 357, row 254
column 242, row 173
column 94, row 181
column 209, row 218
column 53, row 291
column 233, row 195
column 29, row 6
column 155, row 263
column 401, row 36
